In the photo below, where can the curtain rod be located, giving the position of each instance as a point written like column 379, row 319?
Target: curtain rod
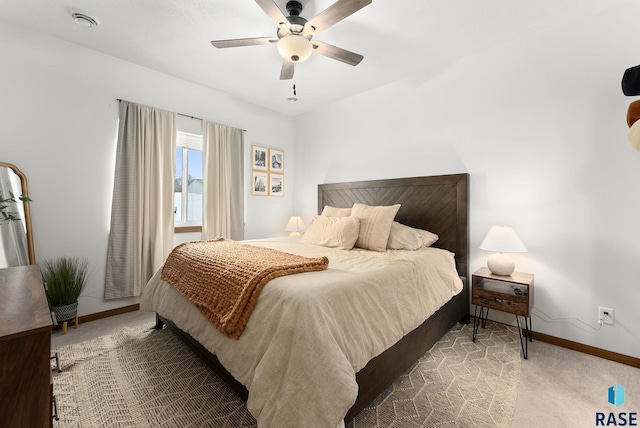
column 185, row 115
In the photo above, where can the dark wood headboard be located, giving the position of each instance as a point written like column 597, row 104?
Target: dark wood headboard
column 439, row 204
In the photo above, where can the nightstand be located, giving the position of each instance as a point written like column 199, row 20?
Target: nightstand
column 512, row 294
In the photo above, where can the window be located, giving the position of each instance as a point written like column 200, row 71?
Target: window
column 188, row 180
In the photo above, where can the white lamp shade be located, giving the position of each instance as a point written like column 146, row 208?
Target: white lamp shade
column 295, row 226
column 502, row 239
column 294, row 48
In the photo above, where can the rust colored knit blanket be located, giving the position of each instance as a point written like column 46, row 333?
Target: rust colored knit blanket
column 224, row 278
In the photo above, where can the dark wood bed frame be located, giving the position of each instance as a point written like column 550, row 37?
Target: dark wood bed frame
column 439, row 204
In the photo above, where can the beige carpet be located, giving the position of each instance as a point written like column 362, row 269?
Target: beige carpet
column 148, row 378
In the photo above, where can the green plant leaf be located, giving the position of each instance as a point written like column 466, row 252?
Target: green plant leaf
column 11, row 216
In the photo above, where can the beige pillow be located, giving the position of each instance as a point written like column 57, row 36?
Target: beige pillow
column 333, row 232
column 335, row 212
column 403, row 237
column 375, row 225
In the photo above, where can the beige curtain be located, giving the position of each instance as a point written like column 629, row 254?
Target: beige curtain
column 141, row 234
column 222, row 153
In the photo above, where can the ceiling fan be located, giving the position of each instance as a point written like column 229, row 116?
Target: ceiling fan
column 294, row 33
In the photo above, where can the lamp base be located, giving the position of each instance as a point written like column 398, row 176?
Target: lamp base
column 501, row 264
column 294, row 234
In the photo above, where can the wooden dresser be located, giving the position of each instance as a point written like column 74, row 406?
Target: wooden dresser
column 25, row 349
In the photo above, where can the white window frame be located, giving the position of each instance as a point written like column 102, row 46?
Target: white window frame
column 187, row 141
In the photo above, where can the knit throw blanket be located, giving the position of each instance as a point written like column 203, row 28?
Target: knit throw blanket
column 225, row 278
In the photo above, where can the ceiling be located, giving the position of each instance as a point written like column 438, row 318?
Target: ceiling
column 415, row 39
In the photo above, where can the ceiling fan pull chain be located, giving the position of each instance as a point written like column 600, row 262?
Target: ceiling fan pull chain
column 294, row 97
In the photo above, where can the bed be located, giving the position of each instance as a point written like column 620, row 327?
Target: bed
column 438, row 204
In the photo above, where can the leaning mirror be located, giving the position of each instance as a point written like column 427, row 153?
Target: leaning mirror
column 15, row 218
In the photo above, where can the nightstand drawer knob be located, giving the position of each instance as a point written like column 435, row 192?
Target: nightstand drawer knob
column 499, row 300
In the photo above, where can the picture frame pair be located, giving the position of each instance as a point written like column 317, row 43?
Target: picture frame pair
column 267, row 171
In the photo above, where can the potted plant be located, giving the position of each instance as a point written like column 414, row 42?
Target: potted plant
column 64, row 280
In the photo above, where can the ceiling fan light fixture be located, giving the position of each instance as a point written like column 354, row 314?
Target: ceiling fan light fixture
column 294, row 48
column 295, row 32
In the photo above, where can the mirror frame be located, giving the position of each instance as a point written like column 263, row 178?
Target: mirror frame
column 27, row 210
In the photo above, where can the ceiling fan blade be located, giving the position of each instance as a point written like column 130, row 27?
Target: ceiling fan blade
column 337, row 53
column 287, row 70
column 335, row 13
column 233, row 43
column 273, row 11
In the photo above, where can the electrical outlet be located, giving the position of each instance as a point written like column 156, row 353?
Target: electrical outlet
column 605, row 316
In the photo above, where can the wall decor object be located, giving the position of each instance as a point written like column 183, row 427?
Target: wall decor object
column 259, row 158
column 259, row 183
column 276, row 184
column 631, row 81
column 276, row 160
column 267, row 171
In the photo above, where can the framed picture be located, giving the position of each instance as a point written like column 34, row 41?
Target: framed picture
column 276, row 160
column 259, row 158
column 276, row 184
column 259, row 183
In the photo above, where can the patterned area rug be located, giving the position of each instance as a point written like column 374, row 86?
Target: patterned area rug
column 148, row 378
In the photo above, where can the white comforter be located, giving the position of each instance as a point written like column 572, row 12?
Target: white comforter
column 311, row 332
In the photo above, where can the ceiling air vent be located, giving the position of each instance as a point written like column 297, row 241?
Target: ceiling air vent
column 84, row 20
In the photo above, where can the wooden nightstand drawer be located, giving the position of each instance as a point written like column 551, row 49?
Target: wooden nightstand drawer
column 505, row 300
column 512, row 294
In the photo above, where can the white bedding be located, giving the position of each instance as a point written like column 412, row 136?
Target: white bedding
column 311, row 332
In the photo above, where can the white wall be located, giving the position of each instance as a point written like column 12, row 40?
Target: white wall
column 58, row 124
column 539, row 124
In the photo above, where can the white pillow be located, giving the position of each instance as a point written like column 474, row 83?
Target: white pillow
column 428, row 238
column 403, row 237
column 333, row 232
column 375, row 225
column 335, row 212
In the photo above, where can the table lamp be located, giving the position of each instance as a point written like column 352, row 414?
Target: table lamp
column 502, row 239
column 295, row 226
